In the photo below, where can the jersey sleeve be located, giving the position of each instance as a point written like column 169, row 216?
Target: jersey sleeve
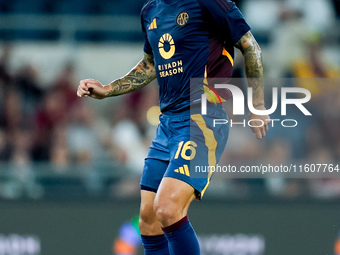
column 228, row 18
column 147, row 46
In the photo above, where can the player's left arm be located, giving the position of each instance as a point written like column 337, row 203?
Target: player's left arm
column 254, row 71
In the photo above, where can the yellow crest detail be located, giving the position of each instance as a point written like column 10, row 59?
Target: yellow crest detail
column 182, row 18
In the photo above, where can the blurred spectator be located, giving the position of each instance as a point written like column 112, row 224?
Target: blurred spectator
column 315, row 65
column 6, row 78
column 59, row 150
column 51, row 113
column 66, row 84
column 298, row 26
column 12, row 117
column 84, row 145
column 288, row 42
column 324, row 132
column 322, row 9
column 129, row 132
column 324, row 188
column 27, row 84
column 4, row 147
column 280, row 153
column 12, row 124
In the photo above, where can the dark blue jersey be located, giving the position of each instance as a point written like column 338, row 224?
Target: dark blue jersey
column 190, row 39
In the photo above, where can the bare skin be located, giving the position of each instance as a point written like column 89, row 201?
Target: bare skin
column 254, row 72
column 168, row 206
column 173, row 198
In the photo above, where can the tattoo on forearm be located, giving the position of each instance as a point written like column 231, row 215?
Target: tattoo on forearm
column 258, row 105
column 253, row 65
column 137, row 78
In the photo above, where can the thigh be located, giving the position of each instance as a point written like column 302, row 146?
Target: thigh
column 199, row 145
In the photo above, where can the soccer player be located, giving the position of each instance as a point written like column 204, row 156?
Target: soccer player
column 184, row 39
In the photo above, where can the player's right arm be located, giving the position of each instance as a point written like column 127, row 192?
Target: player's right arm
column 141, row 75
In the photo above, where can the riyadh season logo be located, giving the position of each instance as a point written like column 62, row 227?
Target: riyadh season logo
column 239, row 102
column 166, row 46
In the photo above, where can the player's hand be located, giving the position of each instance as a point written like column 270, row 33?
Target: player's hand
column 91, row 88
column 260, row 123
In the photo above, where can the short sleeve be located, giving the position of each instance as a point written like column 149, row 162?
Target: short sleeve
column 228, row 18
column 147, row 46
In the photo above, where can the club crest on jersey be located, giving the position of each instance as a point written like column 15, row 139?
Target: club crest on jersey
column 182, row 18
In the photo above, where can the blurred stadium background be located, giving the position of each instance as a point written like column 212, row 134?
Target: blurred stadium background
column 70, row 167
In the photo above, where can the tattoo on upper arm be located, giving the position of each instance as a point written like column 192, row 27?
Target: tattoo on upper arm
column 253, row 65
column 140, row 76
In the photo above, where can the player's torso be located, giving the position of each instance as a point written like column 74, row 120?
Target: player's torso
column 179, row 38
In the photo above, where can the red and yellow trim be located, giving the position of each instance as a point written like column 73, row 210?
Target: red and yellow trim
column 210, row 142
column 211, row 97
column 227, row 54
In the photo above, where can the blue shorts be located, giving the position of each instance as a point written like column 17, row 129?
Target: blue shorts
column 183, row 142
